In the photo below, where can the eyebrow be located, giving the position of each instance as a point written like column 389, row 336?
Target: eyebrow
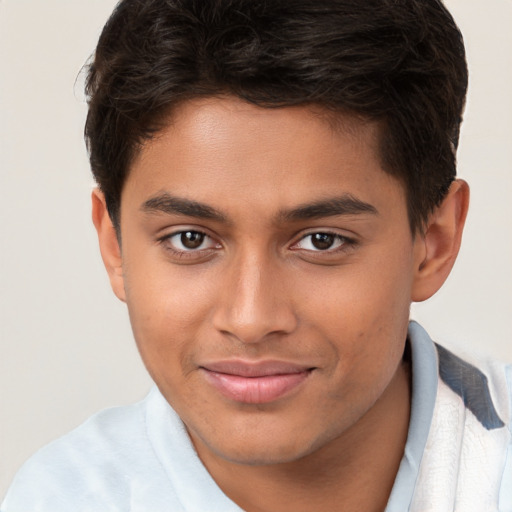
column 172, row 205
column 346, row 204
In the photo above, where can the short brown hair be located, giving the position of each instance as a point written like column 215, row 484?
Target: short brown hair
column 401, row 62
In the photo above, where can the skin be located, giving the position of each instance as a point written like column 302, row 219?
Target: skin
column 257, row 288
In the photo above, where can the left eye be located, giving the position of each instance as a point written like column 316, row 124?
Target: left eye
column 321, row 242
column 190, row 241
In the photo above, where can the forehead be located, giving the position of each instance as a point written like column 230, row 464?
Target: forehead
column 227, row 152
column 230, row 117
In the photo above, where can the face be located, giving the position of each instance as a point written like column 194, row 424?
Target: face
column 267, row 264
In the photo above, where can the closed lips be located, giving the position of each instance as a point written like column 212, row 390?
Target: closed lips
column 255, row 383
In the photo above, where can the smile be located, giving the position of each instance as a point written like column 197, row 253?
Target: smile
column 255, row 383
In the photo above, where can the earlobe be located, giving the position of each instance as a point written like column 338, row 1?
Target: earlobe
column 109, row 243
column 439, row 245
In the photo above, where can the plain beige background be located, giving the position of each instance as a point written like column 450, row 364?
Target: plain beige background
column 65, row 343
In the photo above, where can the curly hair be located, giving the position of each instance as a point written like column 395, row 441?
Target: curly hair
column 399, row 62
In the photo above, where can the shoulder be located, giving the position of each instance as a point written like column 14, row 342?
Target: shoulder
column 483, row 385
column 98, row 462
column 468, row 455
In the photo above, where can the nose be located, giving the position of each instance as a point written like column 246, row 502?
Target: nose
column 254, row 303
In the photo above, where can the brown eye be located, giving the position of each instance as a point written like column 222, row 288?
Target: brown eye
column 322, row 241
column 192, row 239
column 189, row 241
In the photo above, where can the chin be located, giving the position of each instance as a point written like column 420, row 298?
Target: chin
column 261, row 457
column 262, row 450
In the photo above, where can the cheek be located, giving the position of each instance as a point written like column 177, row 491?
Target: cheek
column 363, row 312
column 167, row 307
column 361, row 298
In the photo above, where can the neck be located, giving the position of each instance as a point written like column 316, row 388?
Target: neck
column 356, row 470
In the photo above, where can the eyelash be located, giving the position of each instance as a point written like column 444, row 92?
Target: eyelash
column 345, row 243
column 165, row 241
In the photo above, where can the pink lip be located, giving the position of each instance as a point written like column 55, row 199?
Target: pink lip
column 255, row 383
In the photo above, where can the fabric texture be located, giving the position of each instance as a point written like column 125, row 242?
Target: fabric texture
column 139, row 458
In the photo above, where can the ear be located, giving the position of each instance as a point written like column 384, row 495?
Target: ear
column 438, row 247
column 109, row 243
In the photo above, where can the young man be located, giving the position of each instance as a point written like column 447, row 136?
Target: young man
column 276, row 185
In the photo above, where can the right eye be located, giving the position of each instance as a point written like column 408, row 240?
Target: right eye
column 189, row 241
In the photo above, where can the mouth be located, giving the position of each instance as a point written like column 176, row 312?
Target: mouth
column 255, row 383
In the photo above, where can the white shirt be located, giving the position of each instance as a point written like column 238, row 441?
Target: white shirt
column 139, row 458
